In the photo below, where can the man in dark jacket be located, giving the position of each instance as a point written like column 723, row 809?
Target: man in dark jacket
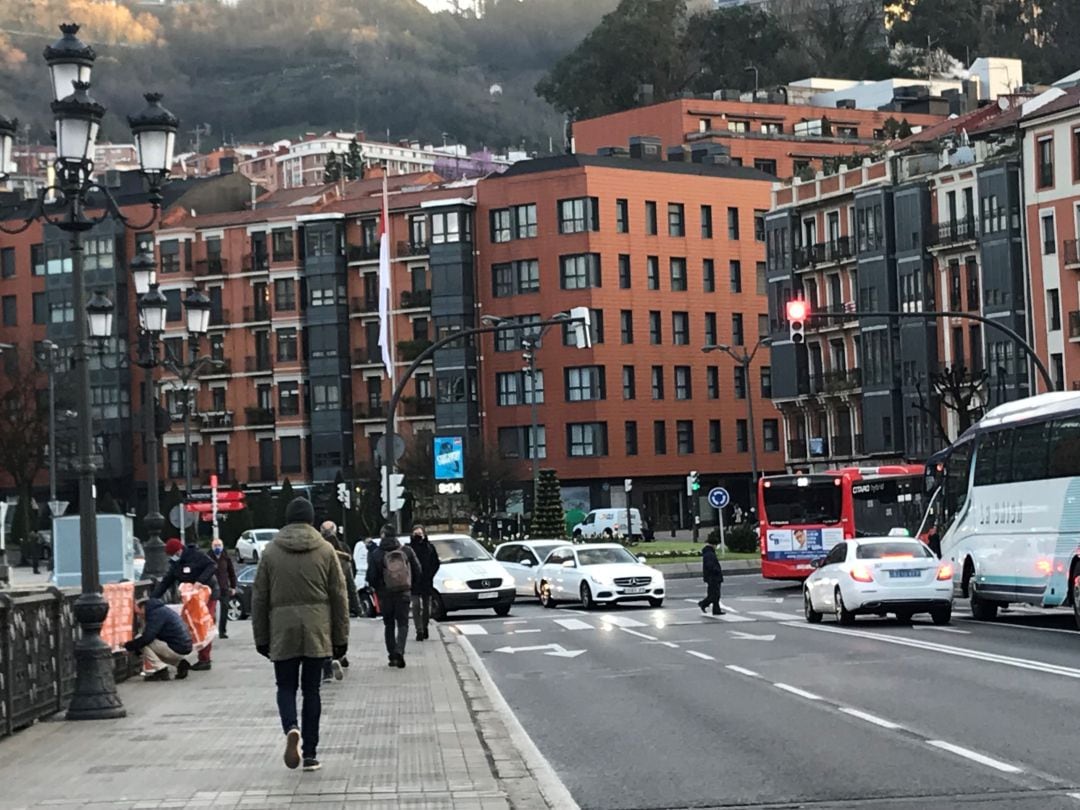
column 424, row 587
column 189, row 564
column 392, row 570
column 300, row 619
column 226, row 579
column 164, row 641
column 713, row 574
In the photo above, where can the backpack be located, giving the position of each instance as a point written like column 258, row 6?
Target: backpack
column 397, row 573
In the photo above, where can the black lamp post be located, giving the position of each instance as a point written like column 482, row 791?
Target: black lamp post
column 77, row 120
column 152, row 314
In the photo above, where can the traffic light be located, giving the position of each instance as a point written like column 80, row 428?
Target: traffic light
column 343, row 495
column 693, row 482
column 394, row 494
column 797, row 313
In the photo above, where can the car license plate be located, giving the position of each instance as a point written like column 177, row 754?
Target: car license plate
column 905, row 573
column 489, row 595
column 635, row 590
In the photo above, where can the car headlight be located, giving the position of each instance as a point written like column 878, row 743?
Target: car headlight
column 454, row 585
column 599, row 580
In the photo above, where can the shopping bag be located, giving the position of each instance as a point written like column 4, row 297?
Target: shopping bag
column 195, row 611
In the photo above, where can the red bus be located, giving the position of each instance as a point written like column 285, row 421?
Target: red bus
column 802, row 516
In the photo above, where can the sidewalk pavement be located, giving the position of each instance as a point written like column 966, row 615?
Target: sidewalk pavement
column 422, row 737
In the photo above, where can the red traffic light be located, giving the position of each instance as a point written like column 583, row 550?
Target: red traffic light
column 797, row 310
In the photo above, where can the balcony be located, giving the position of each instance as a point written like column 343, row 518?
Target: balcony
column 262, row 473
column 258, row 263
column 1070, row 253
column 368, row 410
column 409, row 350
column 810, row 255
column 363, row 253
column 258, row 312
column 259, row 416
column 412, row 248
column 220, row 317
column 415, row 299
column 419, row 406
column 1074, row 324
column 796, row 448
column 952, row 232
column 224, row 370
column 215, row 420
column 842, row 445
column 366, row 355
column 840, row 249
column 215, row 266
column 846, row 380
column 253, row 364
column 361, row 306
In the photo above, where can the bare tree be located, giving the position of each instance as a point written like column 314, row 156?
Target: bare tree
column 24, row 429
column 956, row 389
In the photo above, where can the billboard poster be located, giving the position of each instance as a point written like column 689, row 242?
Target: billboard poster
column 449, row 458
column 800, row 544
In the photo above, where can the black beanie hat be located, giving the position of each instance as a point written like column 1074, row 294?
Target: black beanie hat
column 300, row 510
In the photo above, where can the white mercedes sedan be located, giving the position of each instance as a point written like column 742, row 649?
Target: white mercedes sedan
column 522, row 558
column 879, row 575
column 595, row 574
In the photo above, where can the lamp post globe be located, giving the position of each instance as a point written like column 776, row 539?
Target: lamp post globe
column 153, row 309
column 154, row 132
column 100, row 314
column 198, row 307
column 69, row 60
column 143, row 273
column 8, row 128
column 78, row 118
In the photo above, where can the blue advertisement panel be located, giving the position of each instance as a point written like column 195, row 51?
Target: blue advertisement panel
column 449, row 458
column 800, row 544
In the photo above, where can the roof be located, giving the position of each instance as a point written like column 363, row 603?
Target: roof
column 1069, row 99
column 988, row 118
column 562, row 162
column 1040, row 406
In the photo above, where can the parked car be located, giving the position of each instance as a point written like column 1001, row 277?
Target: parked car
column 604, row 524
column 879, row 575
column 240, row 602
column 598, row 573
column 252, row 544
column 522, row 559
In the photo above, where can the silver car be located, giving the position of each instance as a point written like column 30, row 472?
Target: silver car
column 522, row 558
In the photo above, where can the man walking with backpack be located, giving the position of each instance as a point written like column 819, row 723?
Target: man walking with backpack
column 392, row 570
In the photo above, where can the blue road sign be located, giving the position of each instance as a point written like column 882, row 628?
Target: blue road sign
column 718, row 497
column 449, row 458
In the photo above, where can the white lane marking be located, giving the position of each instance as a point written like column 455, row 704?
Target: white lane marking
column 773, row 614
column 1021, row 627
column 797, row 691
column 670, row 644
column 470, row 629
column 516, row 621
column 527, row 630
column 622, row 621
column 962, row 652
column 700, row 655
column 870, row 718
column 645, row 636
column 574, row 624
column 691, row 601
column 727, row 617
column 975, row 756
column 740, row 636
column 942, row 629
column 1074, row 796
column 743, row 671
column 776, row 600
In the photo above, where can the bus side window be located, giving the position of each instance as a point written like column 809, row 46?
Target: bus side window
column 1064, row 460
column 957, row 476
column 1030, row 452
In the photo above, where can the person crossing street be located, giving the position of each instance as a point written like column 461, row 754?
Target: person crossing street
column 713, row 574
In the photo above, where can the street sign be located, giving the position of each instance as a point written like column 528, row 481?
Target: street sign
column 450, row 488
column 718, row 498
column 178, row 516
column 380, row 449
column 449, row 458
column 223, row 495
column 202, row 507
column 57, row 508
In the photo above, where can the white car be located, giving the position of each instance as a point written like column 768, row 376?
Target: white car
column 604, row 524
column 879, row 575
column 252, row 543
column 598, row 573
column 522, row 558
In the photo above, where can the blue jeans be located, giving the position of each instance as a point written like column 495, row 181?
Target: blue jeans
column 304, row 674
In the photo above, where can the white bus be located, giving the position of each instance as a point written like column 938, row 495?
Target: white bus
column 1007, row 510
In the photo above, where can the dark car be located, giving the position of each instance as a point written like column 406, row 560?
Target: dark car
column 240, row 602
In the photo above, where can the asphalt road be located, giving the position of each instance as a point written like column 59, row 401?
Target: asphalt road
column 638, row 708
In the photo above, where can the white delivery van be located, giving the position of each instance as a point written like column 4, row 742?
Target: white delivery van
column 603, row 524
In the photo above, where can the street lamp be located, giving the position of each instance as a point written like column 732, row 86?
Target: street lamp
column 77, row 118
column 143, row 273
column 744, row 359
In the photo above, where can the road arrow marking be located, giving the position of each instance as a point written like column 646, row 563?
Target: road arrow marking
column 750, row 636
column 556, row 650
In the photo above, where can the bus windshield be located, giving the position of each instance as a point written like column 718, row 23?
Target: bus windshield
column 818, row 502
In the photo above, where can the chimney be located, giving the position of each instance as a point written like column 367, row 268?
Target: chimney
column 227, row 165
column 678, row 154
column 645, row 147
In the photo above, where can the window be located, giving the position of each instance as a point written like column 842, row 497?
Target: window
column 766, row 382
column 684, row 437
column 652, row 272
column 622, row 216
column 710, row 329
column 515, row 278
column 37, row 259
column 325, row 397
column 1045, row 160
column 584, row 383
column 284, row 294
column 659, row 438
column 290, row 454
column 525, row 221
column 657, row 382
column 41, row 308
column 586, row 439
column 281, row 244
column 767, row 166
column 762, row 283
column 1057, row 370
column 579, row 271
column 683, row 384
column 516, row 388
column 321, row 297
column 449, row 227
column 286, row 344
column 650, row 218
column 521, row 442
column 624, row 271
column 763, row 325
column 737, row 338
column 11, row 312
column 509, row 341
column 740, row 436
column 62, row 312
column 680, row 328
column 770, row 435
column 740, row 382
column 656, row 335
column 972, row 269
column 706, row 222
column 630, row 437
column 289, row 398
column 1049, row 241
column 173, row 311
column 1053, row 309
column 735, row 275
column 170, row 256
column 629, row 383
column 759, row 225
column 676, row 219
column 500, row 225
column 626, row 326
column 714, row 436
column 712, row 382
column 7, row 262
column 733, row 223
column 579, row 215
column 678, row 274
column 708, row 275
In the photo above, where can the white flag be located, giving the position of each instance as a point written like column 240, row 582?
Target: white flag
column 385, row 310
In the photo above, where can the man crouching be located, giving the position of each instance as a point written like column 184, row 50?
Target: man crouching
column 164, row 641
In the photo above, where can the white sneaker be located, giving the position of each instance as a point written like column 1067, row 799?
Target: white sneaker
column 339, row 673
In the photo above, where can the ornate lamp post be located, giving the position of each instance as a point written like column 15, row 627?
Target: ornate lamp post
column 77, row 120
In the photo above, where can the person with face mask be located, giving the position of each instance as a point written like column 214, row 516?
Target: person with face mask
column 423, row 589
column 226, row 578
column 189, row 564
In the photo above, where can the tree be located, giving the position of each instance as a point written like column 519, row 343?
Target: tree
column 263, row 513
column 955, row 389
column 487, row 476
column 332, row 172
column 354, row 163
column 24, row 432
column 725, row 42
column 547, row 518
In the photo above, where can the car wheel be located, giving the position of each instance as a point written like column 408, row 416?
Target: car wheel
column 236, row 609
column 545, row 595
column 843, row 615
column 904, row 617
column 503, row 610
column 254, row 555
column 608, row 534
column 586, row 597
column 577, row 536
column 656, row 602
column 941, row 615
column 981, row 609
column 812, row 615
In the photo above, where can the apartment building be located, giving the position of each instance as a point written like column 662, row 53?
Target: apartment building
column 668, row 256
column 303, row 162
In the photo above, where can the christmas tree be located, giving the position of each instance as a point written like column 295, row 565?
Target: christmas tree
column 547, row 518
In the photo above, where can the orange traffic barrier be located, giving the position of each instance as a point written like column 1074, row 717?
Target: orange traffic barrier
column 118, row 627
column 196, row 613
